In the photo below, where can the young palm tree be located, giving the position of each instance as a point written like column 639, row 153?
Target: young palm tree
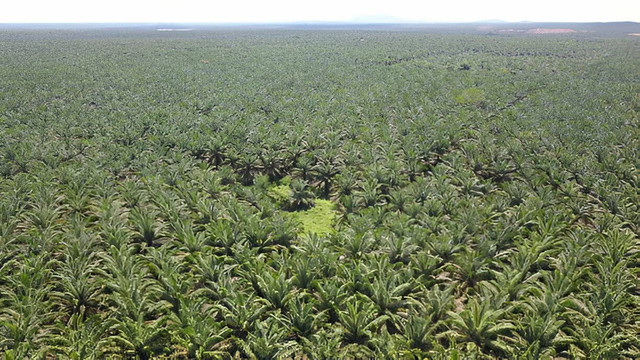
column 324, row 172
column 26, row 312
column 353, row 243
column 77, row 197
column 331, row 298
column 80, row 289
column 303, row 167
column 171, row 207
column 304, row 271
column 267, row 342
column 167, row 271
column 187, row 240
column 301, row 318
column 486, row 328
column 370, row 193
column 275, row 288
column 399, row 200
column 271, row 164
column 217, row 149
column 248, row 165
column 360, row 320
column 322, row 345
column 241, row 311
column 444, row 247
column 301, row 196
column 540, row 337
column 44, row 216
column 425, row 267
column 419, row 333
column 257, row 233
column 147, row 226
column 389, row 293
column 138, row 328
column 207, row 210
column 195, row 330
column 81, row 339
column 133, row 193
column 470, row 267
column 139, row 337
column 223, row 235
column 399, row 248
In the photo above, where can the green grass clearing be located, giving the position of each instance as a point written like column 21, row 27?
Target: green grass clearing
column 319, row 219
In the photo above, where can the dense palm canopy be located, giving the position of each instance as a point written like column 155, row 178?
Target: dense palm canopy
column 159, row 195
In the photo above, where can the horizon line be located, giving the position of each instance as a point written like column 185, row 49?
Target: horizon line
column 316, row 22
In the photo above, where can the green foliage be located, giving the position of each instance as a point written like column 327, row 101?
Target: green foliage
column 315, row 215
column 280, row 193
column 470, row 96
column 287, row 193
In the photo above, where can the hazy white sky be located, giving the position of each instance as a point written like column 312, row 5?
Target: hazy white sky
column 225, row 11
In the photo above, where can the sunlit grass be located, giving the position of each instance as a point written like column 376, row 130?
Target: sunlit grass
column 318, row 219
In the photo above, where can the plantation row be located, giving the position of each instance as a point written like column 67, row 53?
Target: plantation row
column 318, row 195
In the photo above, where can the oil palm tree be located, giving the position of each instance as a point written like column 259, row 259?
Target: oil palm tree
column 267, row 342
column 26, row 312
column 81, row 339
column 346, row 183
column 301, row 196
column 195, row 330
column 147, row 227
column 389, row 292
column 275, row 288
column 324, row 172
column 369, row 192
column 303, row 167
column 241, row 311
column 247, row 167
column 360, row 320
column 138, row 337
column 487, row 328
column 271, row 163
column 301, row 318
column 77, row 275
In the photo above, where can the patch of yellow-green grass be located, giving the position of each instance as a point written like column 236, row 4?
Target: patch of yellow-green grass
column 319, row 219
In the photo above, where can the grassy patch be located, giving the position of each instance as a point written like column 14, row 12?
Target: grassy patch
column 319, row 219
